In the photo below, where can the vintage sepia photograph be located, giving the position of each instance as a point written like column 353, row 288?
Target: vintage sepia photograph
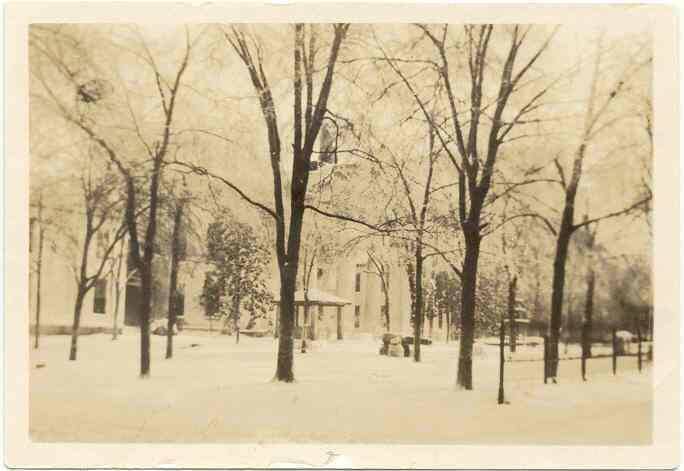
column 389, row 233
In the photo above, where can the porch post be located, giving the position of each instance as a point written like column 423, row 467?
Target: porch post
column 339, row 322
column 312, row 316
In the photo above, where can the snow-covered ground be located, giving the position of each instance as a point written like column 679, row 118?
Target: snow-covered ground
column 218, row 391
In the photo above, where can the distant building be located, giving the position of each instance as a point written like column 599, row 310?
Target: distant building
column 328, row 146
column 351, row 278
column 58, row 282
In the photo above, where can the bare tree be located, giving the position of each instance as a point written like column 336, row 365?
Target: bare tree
column 591, row 284
column 475, row 166
column 39, row 265
column 49, row 45
column 597, row 108
column 176, row 256
column 102, row 205
column 416, row 221
column 308, row 117
column 512, row 272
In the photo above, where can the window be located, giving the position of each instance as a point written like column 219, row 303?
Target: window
column 319, row 274
column 320, row 312
column 179, row 302
column 100, row 298
column 357, row 283
column 357, row 317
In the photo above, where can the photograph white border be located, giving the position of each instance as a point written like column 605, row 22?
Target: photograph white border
column 664, row 452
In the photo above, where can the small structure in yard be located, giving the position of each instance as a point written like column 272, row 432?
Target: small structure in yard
column 395, row 348
column 527, row 331
column 311, row 318
column 160, row 327
column 394, row 345
column 623, row 341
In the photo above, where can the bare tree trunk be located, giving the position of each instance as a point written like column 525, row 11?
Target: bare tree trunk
column 237, row 300
column 464, row 378
column 411, row 274
column 145, row 310
column 512, row 288
column 385, row 292
column 117, row 291
column 418, row 302
column 284, row 370
column 78, row 307
column 567, row 226
column 147, row 269
column 82, row 284
column 387, row 312
column 589, row 312
column 173, row 282
column 39, row 270
column 560, row 260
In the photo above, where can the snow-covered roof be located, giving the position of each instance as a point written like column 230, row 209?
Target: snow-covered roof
column 316, row 296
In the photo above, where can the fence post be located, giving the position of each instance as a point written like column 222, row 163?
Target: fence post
column 585, row 350
column 639, row 347
column 546, row 357
column 614, row 351
column 501, row 363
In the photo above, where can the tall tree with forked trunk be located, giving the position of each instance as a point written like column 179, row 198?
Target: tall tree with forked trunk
column 473, row 144
column 308, row 115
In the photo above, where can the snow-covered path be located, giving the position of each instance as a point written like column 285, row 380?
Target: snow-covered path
column 345, row 392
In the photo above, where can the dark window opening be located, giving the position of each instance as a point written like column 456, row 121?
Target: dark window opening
column 357, row 317
column 357, row 283
column 100, row 298
column 179, row 303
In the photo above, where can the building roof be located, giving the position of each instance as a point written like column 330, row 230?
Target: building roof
column 316, row 297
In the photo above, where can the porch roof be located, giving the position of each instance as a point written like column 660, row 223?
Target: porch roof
column 316, row 297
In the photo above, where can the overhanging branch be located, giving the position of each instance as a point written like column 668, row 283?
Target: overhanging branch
column 384, row 227
column 613, row 214
column 204, row 172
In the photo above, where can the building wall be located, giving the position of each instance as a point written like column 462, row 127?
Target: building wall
column 400, row 301
column 58, row 294
column 340, row 279
column 58, row 288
